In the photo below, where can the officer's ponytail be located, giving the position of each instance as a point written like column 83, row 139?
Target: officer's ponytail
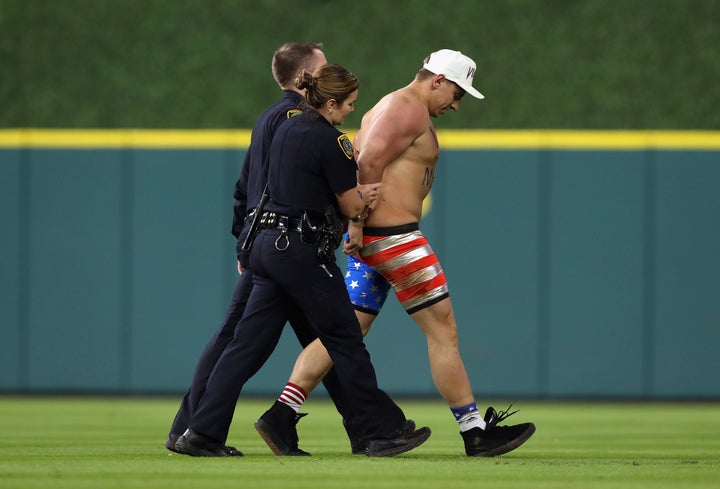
column 305, row 80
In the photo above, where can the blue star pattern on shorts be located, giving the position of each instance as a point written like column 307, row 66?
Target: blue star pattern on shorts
column 367, row 288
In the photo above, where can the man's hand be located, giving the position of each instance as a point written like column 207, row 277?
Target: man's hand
column 369, row 192
column 355, row 238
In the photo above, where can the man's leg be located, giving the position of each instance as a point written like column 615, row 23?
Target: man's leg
column 406, row 260
column 314, row 362
column 481, row 435
column 437, row 322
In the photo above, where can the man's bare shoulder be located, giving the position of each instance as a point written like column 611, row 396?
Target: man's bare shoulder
column 404, row 100
column 401, row 111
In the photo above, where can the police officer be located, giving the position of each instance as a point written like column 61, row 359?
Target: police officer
column 311, row 182
column 290, row 59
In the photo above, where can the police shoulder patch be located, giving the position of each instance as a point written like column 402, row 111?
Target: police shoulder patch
column 345, row 145
column 293, row 113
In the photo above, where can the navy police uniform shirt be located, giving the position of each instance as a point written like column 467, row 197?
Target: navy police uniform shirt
column 251, row 183
column 309, row 162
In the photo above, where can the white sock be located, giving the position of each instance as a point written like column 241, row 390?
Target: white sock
column 468, row 417
column 470, row 421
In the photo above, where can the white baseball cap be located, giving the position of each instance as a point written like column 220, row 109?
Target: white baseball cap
column 456, row 67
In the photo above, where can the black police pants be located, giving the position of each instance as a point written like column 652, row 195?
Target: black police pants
column 284, row 279
column 222, row 337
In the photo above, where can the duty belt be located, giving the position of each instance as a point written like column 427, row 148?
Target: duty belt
column 270, row 220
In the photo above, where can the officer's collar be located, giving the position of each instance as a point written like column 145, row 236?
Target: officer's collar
column 294, row 95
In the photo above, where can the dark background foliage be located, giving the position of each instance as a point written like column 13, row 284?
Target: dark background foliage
column 576, row 64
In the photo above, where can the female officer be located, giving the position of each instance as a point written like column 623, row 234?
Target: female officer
column 312, row 183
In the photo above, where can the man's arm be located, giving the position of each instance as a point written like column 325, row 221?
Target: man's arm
column 351, row 203
column 388, row 137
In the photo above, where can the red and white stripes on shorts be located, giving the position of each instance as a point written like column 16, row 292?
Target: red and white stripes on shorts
column 408, row 263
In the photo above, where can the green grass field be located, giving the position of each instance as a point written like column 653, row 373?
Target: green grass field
column 80, row 442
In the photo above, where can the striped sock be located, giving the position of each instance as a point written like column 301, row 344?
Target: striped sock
column 468, row 417
column 293, row 396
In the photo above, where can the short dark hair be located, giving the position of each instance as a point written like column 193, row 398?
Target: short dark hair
column 424, row 74
column 292, row 58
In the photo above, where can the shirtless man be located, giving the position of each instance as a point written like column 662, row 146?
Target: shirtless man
column 397, row 145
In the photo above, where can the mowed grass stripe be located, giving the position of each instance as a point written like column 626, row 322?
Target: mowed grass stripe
column 79, row 442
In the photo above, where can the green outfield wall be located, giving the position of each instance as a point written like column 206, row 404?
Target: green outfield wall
column 581, row 264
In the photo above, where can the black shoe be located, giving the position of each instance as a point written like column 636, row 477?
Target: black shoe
column 495, row 440
column 277, row 426
column 197, row 445
column 404, row 440
column 170, row 442
column 358, row 445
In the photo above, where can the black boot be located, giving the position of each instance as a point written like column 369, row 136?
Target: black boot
column 277, row 426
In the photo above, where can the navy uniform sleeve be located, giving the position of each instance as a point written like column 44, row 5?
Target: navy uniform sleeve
column 339, row 163
column 240, row 195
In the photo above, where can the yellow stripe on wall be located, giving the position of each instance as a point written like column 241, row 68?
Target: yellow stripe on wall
column 544, row 139
column 124, row 138
column 449, row 139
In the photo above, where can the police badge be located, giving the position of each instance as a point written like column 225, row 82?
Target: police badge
column 345, row 145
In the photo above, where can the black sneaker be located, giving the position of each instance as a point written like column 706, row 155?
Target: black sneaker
column 170, row 442
column 496, row 440
column 277, row 426
column 197, row 445
column 405, row 439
